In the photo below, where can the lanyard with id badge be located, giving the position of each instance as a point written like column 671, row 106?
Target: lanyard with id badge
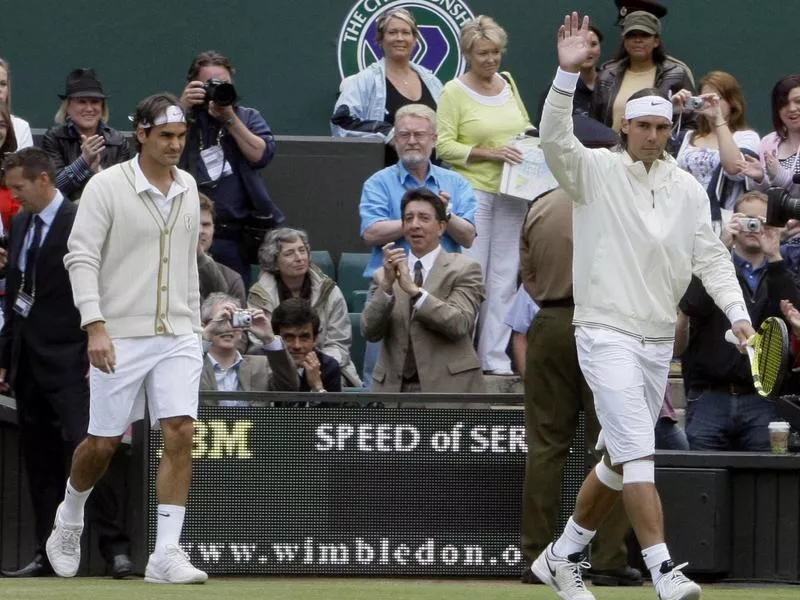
column 24, row 302
column 214, row 160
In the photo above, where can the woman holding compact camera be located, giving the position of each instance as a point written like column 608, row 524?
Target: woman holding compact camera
column 287, row 272
column 714, row 153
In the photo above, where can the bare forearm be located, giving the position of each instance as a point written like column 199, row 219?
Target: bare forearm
column 461, row 230
column 251, row 145
column 383, row 232
column 729, row 152
column 519, row 346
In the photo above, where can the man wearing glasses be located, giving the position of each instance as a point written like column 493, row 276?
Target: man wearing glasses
column 381, row 217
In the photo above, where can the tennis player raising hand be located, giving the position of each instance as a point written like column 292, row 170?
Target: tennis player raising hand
column 641, row 229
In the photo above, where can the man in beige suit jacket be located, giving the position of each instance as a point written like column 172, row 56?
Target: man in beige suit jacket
column 424, row 307
column 226, row 369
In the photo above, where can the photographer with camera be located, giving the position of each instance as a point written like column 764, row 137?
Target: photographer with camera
column 714, row 152
column 724, row 411
column 225, row 369
column 226, row 147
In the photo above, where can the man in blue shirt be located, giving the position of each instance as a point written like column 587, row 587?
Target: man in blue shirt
column 381, row 218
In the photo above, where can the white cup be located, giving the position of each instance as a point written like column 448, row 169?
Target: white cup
column 779, row 436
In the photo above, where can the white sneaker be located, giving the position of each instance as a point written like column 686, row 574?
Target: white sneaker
column 64, row 546
column 674, row 585
column 172, row 565
column 563, row 575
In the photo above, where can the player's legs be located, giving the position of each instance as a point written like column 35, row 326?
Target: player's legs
column 172, row 391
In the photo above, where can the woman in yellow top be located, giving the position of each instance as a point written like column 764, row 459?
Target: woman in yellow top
column 479, row 113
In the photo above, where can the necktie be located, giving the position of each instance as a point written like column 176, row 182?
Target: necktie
column 32, row 254
column 410, row 366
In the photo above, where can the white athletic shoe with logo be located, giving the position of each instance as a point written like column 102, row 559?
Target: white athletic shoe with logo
column 63, row 547
column 171, row 565
column 674, row 585
column 564, row 575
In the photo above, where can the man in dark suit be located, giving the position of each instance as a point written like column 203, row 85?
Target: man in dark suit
column 43, row 356
column 296, row 321
column 424, row 307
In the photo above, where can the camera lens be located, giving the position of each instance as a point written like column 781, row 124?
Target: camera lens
column 224, row 94
column 781, row 207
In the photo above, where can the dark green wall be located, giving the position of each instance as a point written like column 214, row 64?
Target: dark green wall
column 285, row 50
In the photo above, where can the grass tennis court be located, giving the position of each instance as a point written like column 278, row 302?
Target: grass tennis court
column 342, row 589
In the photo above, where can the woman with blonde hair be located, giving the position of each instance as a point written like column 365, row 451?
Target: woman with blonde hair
column 81, row 143
column 479, row 114
column 22, row 131
column 369, row 99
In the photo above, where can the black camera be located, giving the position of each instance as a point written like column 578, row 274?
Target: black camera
column 220, row 92
column 781, row 207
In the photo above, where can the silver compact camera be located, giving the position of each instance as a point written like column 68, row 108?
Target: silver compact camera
column 752, row 225
column 241, row 319
column 694, row 103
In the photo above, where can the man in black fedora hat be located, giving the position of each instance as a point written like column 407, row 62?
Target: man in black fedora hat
column 81, row 143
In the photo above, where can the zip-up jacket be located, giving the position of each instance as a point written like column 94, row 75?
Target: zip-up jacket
column 639, row 235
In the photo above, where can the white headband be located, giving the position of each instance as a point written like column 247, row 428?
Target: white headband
column 173, row 114
column 649, row 106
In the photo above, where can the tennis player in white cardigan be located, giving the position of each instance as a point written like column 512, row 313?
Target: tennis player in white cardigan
column 132, row 262
column 641, row 228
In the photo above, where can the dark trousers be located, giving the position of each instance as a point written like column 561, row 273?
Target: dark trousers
column 51, row 425
column 716, row 420
column 555, row 393
column 230, row 253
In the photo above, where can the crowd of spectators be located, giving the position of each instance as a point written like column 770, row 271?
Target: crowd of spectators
column 445, row 305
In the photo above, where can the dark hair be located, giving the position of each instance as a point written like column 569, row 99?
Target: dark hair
column 780, row 98
column 623, row 137
column 10, row 143
column 295, row 312
column 34, row 161
column 149, row 109
column 207, row 203
column 424, row 195
column 597, row 32
column 209, row 58
column 659, row 54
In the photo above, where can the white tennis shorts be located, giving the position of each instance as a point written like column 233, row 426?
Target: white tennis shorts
column 164, row 369
column 628, row 379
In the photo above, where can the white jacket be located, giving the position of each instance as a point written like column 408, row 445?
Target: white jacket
column 638, row 235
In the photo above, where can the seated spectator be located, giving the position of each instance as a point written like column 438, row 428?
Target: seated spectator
column 519, row 318
column 224, row 367
column 297, row 323
column 22, row 131
column 714, row 153
column 81, row 143
column 214, row 276
column 724, row 411
column 227, row 146
column 287, row 272
column 369, row 100
column 424, row 319
column 779, row 151
column 9, row 206
column 379, row 208
column 640, row 63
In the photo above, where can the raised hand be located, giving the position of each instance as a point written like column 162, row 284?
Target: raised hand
column 792, row 316
column 573, row 42
column 751, row 167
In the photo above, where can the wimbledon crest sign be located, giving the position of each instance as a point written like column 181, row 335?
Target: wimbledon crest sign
column 439, row 23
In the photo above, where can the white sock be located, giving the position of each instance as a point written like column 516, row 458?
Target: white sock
column 72, row 507
column 573, row 539
column 654, row 557
column 170, row 524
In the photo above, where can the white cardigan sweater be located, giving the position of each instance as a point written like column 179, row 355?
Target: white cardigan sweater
column 639, row 235
column 128, row 265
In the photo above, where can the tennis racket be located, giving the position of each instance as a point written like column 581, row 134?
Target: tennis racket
column 767, row 350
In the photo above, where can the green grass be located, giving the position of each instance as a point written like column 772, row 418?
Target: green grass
column 341, row 589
